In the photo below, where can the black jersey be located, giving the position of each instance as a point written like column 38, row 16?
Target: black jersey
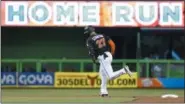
column 98, row 44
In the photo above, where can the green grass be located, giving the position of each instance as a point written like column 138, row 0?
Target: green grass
column 79, row 95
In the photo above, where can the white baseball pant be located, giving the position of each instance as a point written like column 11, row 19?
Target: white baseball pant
column 106, row 71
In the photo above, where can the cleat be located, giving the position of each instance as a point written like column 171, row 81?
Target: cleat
column 104, row 95
column 127, row 70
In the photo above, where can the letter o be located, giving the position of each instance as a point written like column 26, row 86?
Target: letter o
column 38, row 9
column 31, row 79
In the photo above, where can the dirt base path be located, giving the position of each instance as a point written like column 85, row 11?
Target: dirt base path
column 158, row 100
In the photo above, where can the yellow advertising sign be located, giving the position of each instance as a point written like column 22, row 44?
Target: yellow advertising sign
column 92, row 80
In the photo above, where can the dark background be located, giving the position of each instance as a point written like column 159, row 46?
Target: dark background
column 69, row 42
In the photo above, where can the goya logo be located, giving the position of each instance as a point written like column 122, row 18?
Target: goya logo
column 36, row 79
column 8, row 78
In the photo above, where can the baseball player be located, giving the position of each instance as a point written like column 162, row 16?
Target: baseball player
column 102, row 48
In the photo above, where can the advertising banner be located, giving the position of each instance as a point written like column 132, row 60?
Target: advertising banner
column 172, row 82
column 149, row 83
column 161, row 83
column 92, row 80
column 38, row 79
column 102, row 13
column 8, row 79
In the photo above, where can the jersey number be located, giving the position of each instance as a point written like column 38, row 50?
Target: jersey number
column 100, row 42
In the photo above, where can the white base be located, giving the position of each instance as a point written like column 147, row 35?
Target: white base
column 169, row 96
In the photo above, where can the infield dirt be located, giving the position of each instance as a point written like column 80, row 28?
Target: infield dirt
column 89, row 95
column 157, row 99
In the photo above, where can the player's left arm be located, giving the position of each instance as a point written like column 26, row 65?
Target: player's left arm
column 91, row 51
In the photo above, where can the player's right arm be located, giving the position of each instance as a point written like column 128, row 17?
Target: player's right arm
column 111, row 44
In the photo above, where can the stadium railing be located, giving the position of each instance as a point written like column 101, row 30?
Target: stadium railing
column 137, row 65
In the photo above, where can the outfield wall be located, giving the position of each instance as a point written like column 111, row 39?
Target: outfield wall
column 83, row 80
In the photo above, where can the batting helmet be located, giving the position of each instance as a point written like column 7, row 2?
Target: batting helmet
column 88, row 30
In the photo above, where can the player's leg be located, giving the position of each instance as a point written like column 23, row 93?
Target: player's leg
column 103, row 76
column 106, row 64
column 109, row 71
